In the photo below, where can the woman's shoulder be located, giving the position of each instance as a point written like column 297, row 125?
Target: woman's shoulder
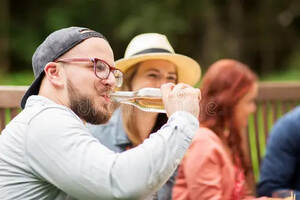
column 207, row 147
column 206, row 135
column 205, row 139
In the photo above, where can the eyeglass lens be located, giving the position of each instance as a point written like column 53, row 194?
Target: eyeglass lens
column 103, row 70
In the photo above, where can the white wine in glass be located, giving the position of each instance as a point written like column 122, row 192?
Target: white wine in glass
column 146, row 99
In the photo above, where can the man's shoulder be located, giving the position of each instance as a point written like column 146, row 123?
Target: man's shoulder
column 28, row 115
column 293, row 115
column 289, row 122
column 54, row 123
column 48, row 116
column 206, row 134
column 55, row 113
column 207, row 139
column 287, row 129
column 39, row 106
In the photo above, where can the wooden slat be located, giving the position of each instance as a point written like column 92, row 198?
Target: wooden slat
column 288, row 105
column 257, row 136
column 13, row 112
column 248, row 143
column 274, row 111
column 2, row 119
column 265, row 119
column 284, row 107
column 10, row 96
column 293, row 104
column 280, row 91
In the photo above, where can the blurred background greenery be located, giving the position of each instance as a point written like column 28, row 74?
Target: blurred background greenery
column 263, row 34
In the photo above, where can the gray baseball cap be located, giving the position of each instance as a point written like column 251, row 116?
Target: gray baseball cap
column 54, row 46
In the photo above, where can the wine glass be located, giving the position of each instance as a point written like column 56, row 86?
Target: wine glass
column 285, row 193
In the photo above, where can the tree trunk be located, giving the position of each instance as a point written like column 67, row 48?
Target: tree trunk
column 4, row 36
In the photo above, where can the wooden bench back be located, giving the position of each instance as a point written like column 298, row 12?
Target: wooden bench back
column 274, row 100
column 10, row 97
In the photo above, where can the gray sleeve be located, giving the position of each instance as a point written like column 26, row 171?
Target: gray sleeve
column 61, row 151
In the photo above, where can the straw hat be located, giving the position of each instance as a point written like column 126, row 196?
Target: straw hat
column 150, row 46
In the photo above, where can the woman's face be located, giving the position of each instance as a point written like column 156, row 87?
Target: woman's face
column 245, row 107
column 154, row 73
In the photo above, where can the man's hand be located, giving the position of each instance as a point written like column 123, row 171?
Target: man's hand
column 181, row 97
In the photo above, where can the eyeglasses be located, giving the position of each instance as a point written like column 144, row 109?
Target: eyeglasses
column 101, row 68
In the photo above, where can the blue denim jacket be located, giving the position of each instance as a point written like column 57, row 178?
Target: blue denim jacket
column 113, row 136
column 281, row 166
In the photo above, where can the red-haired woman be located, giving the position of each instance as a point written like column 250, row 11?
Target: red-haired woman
column 215, row 166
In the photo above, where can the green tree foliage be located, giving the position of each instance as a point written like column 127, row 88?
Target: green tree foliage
column 264, row 34
column 4, row 35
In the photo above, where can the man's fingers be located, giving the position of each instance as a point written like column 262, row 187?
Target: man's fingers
column 180, row 86
column 199, row 95
column 181, row 97
column 167, row 88
column 181, row 90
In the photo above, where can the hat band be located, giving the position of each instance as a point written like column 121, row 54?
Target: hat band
column 152, row 50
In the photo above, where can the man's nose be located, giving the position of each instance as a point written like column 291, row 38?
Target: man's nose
column 110, row 81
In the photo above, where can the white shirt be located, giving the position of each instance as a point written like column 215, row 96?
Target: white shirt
column 46, row 152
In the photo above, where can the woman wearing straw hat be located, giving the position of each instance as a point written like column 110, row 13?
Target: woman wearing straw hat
column 149, row 61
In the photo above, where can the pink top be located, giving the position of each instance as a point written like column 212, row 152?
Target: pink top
column 207, row 171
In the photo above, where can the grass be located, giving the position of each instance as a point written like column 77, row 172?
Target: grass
column 284, row 75
column 17, row 78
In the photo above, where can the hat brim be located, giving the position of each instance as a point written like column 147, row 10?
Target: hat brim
column 188, row 70
column 33, row 89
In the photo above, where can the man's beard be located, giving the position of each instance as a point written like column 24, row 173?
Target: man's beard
column 84, row 107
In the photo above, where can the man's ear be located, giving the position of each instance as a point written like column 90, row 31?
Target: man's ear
column 54, row 74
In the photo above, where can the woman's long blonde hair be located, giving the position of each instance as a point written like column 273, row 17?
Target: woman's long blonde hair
column 128, row 110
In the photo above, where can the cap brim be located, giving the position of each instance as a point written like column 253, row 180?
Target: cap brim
column 188, row 70
column 33, row 89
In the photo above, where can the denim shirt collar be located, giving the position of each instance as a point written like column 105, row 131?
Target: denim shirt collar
column 120, row 136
